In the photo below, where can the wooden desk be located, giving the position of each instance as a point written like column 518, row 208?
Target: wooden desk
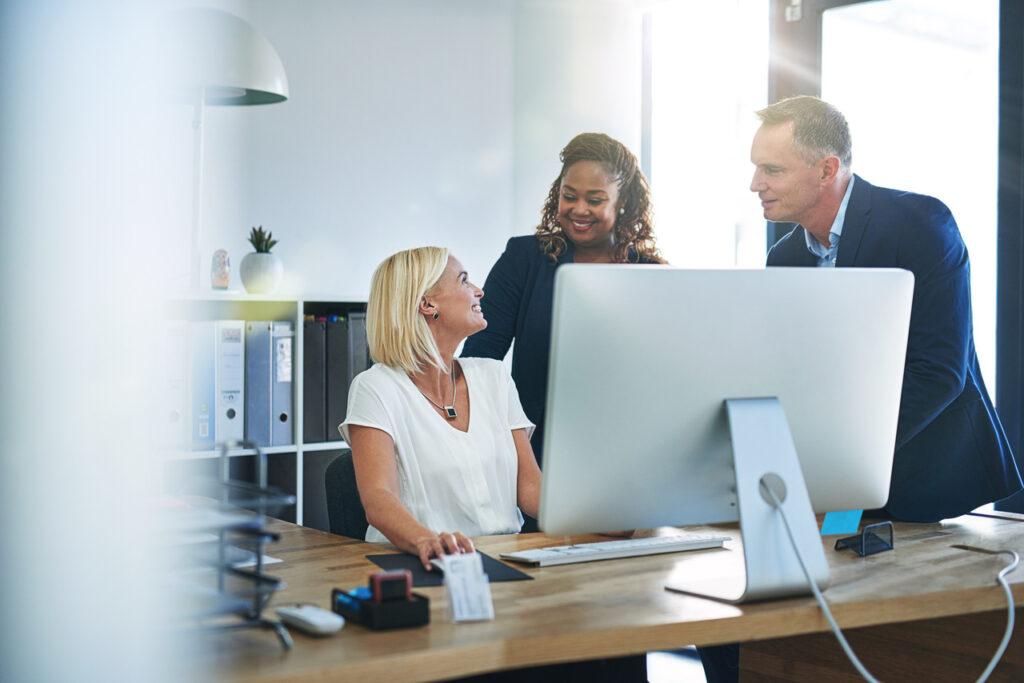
column 620, row 607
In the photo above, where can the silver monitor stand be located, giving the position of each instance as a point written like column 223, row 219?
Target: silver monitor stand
column 764, row 456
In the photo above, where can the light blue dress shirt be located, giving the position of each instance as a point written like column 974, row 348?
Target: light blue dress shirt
column 827, row 255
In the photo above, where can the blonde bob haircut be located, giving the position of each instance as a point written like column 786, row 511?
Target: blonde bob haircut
column 396, row 331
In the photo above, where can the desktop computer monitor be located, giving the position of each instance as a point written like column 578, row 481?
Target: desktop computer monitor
column 672, row 392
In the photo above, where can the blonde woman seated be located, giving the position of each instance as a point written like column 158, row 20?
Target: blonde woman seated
column 441, row 446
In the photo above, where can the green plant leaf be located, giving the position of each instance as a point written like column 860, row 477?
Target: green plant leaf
column 261, row 241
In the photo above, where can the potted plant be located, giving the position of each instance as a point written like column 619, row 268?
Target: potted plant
column 261, row 271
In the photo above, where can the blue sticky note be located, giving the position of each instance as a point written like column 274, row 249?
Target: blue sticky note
column 845, row 522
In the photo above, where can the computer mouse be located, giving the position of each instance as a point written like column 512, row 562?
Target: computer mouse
column 311, row 619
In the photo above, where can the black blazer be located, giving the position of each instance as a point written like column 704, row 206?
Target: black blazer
column 518, row 298
column 951, row 452
column 518, row 301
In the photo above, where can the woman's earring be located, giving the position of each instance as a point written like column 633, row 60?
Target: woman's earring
column 435, row 315
column 622, row 211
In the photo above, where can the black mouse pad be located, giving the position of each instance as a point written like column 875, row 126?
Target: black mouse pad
column 495, row 570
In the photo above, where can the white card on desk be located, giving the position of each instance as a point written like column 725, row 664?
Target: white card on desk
column 469, row 592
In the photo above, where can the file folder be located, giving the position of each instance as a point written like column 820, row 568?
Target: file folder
column 314, row 381
column 258, row 362
column 347, row 355
column 201, row 393
column 268, row 382
column 337, row 374
column 282, row 338
column 359, row 358
column 229, row 379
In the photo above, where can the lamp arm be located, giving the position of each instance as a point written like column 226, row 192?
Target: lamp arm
column 197, row 187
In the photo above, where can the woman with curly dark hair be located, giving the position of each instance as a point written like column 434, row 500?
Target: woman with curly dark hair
column 600, row 203
column 598, row 211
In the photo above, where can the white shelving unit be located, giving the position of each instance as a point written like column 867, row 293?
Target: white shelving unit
column 239, row 306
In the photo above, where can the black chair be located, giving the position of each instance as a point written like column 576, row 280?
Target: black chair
column 345, row 513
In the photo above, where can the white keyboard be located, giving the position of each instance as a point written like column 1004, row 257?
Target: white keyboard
column 608, row 550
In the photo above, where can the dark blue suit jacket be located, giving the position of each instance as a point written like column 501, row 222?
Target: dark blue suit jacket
column 518, row 298
column 951, row 452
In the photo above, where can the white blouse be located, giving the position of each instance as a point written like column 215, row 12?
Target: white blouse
column 449, row 480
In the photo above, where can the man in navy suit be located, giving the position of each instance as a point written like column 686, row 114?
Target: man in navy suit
column 951, row 452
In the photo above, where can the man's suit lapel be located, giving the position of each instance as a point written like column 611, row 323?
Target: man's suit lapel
column 858, row 216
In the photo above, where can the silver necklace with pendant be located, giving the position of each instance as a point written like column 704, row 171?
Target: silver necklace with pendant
column 449, row 411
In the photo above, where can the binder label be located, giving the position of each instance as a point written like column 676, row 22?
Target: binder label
column 283, row 359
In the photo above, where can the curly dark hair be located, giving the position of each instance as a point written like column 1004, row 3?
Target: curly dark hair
column 633, row 233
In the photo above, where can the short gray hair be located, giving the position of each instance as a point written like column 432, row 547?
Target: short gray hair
column 819, row 129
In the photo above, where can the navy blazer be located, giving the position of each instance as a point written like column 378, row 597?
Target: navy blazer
column 518, row 298
column 951, row 452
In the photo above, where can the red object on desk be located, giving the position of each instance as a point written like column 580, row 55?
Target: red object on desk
column 394, row 584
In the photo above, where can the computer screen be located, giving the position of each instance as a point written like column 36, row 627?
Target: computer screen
column 643, row 359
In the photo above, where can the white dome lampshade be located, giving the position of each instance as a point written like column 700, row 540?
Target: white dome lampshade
column 228, row 59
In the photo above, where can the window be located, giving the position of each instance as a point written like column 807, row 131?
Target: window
column 922, row 104
column 708, row 74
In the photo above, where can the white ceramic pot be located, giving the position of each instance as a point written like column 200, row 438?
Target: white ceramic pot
column 261, row 273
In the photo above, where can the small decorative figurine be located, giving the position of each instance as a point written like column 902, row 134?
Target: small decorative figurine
column 220, row 270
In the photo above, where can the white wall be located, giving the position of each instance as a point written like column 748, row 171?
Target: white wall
column 408, row 123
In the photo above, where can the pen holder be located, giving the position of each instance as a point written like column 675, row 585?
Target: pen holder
column 362, row 609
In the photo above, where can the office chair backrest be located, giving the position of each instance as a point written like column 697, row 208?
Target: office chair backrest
column 345, row 512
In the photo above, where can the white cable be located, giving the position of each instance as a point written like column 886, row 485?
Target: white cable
column 1000, row 577
column 817, row 594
